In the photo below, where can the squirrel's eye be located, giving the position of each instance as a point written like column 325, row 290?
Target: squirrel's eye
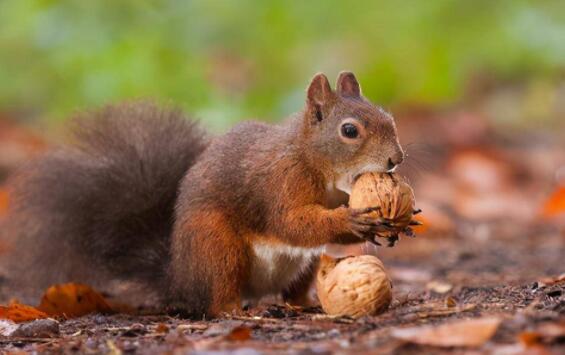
column 349, row 130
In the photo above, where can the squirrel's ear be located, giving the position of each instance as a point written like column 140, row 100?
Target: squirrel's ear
column 347, row 85
column 319, row 96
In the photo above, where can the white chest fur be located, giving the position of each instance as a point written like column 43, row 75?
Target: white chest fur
column 276, row 266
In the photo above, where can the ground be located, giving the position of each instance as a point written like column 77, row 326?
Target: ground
column 492, row 250
column 485, row 280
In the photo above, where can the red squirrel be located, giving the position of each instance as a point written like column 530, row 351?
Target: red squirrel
column 144, row 194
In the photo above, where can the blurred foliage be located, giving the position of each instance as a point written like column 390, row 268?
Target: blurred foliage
column 228, row 60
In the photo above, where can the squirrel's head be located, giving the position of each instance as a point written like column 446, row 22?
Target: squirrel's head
column 348, row 134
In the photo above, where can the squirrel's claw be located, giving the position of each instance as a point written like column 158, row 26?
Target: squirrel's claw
column 409, row 232
column 392, row 240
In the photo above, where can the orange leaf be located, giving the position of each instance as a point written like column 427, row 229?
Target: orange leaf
column 162, row 328
column 555, row 204
column 241, row 333
column 72, row 300
column 20, row 313
column 529, row 338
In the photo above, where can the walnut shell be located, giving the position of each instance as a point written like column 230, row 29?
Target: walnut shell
column 387, row 191
column 353, row 286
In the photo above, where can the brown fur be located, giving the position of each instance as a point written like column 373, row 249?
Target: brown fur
column 257, row 193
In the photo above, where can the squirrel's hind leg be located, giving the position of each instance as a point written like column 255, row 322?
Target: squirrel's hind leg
column 297, row 293
column 210, row 263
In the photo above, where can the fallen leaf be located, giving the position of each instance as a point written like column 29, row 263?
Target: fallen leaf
column 555, row 203
column 549, row 281
column 192, row 327
column 240, row 333
column 445, row 310
column 20, row 313
column 529, row 338
column 467, row 333
column 72, row 300
column 162, row 328
column 480, row 170
column 547, row 332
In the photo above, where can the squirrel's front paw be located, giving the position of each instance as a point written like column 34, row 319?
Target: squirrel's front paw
column 366, row 227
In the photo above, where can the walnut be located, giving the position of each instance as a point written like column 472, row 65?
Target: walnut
column 353, row 286
column 391, row 194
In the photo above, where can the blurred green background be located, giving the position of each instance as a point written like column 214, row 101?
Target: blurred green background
column 224, row 61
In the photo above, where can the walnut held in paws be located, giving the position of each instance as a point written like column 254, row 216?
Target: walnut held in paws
column 353, row 286
column 389, row 192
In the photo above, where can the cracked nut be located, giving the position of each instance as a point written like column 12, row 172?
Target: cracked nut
column 390, row 193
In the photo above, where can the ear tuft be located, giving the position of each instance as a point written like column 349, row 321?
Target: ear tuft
column 347, row 85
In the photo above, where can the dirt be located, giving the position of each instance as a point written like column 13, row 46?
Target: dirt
column 486, row 278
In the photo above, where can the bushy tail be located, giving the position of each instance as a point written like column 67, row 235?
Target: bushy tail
column 102, row 207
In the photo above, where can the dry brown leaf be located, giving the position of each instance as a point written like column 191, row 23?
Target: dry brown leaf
column 445, row 310
column 192, row 327
column 545, row 333
column 486, row 187
column 467, row 333
column 241, row 333
column 549, row 281
column 480, row 170
column 72, row 300
column 20, row 313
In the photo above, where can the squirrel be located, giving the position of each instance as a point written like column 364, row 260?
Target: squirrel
column 144, row 194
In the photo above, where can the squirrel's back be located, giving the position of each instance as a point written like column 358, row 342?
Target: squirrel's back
column 103, row 205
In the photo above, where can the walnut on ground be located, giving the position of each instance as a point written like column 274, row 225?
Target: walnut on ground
column 353, row 286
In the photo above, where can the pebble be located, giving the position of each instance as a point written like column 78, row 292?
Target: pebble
column 41, row 328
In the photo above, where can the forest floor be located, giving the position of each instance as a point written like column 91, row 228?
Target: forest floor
column 484, row 275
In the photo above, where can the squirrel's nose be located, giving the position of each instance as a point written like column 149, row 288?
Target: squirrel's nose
column 394, row 161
